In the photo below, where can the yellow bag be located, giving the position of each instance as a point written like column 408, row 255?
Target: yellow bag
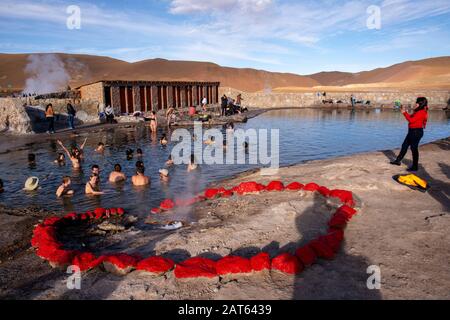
column 412, row 181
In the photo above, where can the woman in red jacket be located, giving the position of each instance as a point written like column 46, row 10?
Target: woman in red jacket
column 417, row 122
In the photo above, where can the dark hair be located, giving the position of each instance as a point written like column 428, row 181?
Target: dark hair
column 139, row 151
column 422, row 102
column 95, row 166
column 94, row 175
column 129, row 152
column 140, row 170
column 31, row 157
column 192, row 158
column 66, row 179
column 117, row 168
column 101, row 144
column 170, row 157
column 48, row 106
column 139, row 164
column 1, row 183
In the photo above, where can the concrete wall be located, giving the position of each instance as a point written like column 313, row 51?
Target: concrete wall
column 436, row 98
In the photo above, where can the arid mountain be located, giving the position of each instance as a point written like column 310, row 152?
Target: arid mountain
column 84, row 69
column 81, row 69
column 427, row 73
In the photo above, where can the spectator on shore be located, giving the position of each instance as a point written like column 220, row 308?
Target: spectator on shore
column 153, row 122
column 117, row 175
column 170, row 115
column 71, row 112
column 417, row 123
column 223, row 105
column 63, row 189
column 50, row 116
column 204, row 103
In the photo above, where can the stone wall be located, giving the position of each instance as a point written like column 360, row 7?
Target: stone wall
column 436, row 98
column 13, row 117
column 93, row 92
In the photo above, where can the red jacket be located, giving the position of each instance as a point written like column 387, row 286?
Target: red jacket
column 418, row 120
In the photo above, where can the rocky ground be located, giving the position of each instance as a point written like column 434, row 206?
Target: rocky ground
column 402, row 231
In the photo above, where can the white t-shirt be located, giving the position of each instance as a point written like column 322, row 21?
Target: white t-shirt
column 204, row 101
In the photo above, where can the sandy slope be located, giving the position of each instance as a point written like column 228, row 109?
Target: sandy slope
column 429, row 73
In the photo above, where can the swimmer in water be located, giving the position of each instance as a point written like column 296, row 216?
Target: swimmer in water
column 210, row 141
column 32, row 160
column 61, row 159
column 140, row 179
column 64, row 190
column 164, row 175
column 139, row 153
column 100, row 148
column 169, row 161
column 117, row 175
column 130, row 154
column 192, row 165
column 74, row 156
column 92, row 187
column 163, row 141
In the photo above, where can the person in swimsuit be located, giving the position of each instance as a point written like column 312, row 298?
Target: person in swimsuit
column 153, row 122
column 169, row 161
column 139, row 153
column 140, row 179
column 74, row 156
column 32, row 160
column 163, row 141
column 117, row 175
column 92, row 187
column 63, row 190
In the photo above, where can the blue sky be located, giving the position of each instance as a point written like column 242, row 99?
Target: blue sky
column 277, row 35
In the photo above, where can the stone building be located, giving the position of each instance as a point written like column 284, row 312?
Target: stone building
column 127, row 97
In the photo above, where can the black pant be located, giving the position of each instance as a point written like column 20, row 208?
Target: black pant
column 51, row 124
column 412, row 140
column 224, row 109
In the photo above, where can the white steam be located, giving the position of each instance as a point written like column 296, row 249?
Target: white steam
column 46, row 74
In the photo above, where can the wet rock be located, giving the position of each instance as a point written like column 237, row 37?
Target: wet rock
column 108, row 226
column 13, row 117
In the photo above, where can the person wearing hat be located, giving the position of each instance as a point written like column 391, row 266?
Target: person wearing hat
column 32, row 184
column 164, row 175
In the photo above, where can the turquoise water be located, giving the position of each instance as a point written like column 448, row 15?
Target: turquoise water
column 305, row 134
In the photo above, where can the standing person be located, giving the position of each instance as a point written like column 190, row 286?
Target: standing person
column 50, row 116
column 71, row 112
column 352, row 99
column 153, row 122
column 109, row 111
column 204, row 103
column 224, row 104
column 417, row 123
column 170, row 114
column 239, row 100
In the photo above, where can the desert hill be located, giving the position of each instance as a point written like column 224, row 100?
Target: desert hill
column 75, row 70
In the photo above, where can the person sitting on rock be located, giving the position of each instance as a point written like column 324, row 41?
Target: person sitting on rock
column 117, row 175
column 64, row 190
